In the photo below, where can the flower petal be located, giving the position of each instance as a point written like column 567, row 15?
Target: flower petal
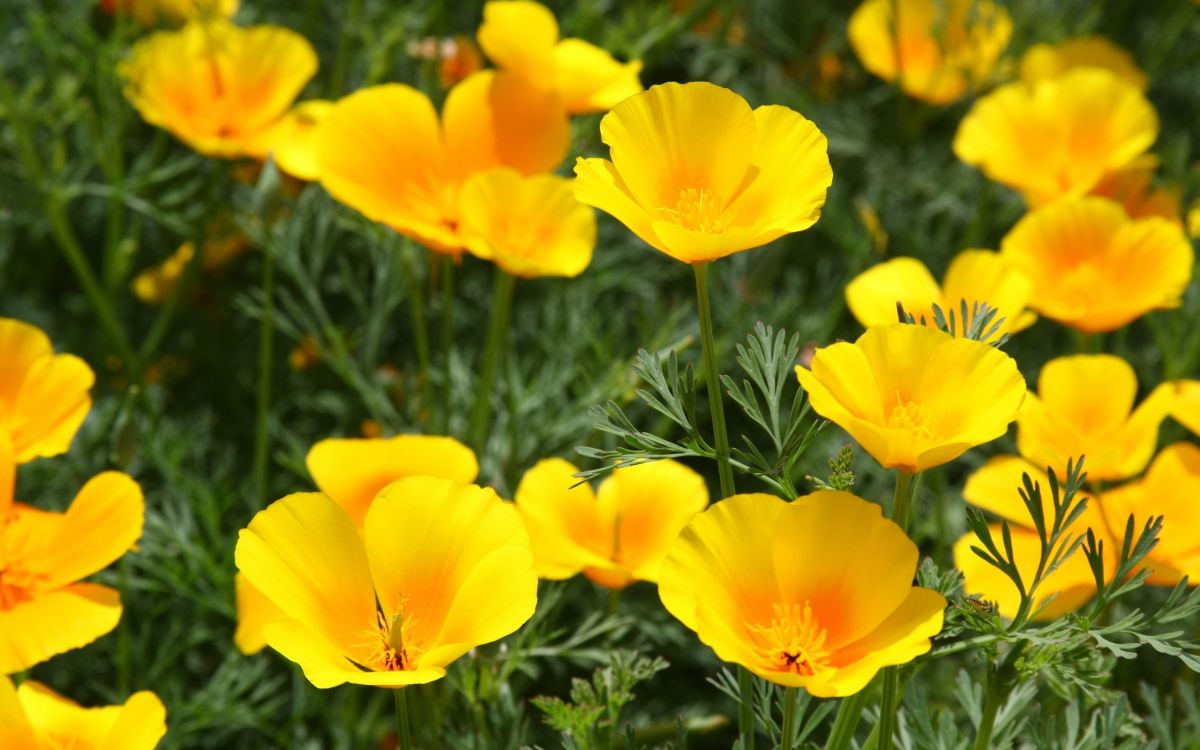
column 102, row 524
column 254, row 612
column 325, row 666
column 293, row 140
column 598, row 184
column 564, row 526
column 592, row 80
column 15, row 731
column 140, row 724
column 519, row 36
column 54, row 622
column 978, row 276
column 873, row 294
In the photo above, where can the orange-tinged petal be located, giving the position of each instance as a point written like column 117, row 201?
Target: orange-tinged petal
column 8, row 477
column 1185, row 408
column 1042, row 61
column 137, row 725
column 15, row 731
column 598, row 184
column 519, row 36
column 995, row 394
column 102, row 524
column 53, row 622
column 563, row 522
column 254, row 612
column 592, row 80
column 292, row 140
column 325, row 666
column 873, row 294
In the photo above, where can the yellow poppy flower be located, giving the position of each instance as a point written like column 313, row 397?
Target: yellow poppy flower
column 382, row 151
column 1084, row 407
column 528, row 226
column 914, row 397
column 440, row 569
column 615, row 536
column 939, row 49
column 254, row 612
column 522, row 37
column 974, row 276
column 1043, row 61
column 816, row 593
column 1095, row 269
column 1185, row 408
column 151, row 12
column 699, row 175
column 43, row 396
column 1058, row 137
column 292, row 140
column 352, row 471
column 217, row 86
column 33, row 716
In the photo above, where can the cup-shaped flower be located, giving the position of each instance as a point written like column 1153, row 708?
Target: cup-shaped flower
column 383, row 152
column 616, row 535
column 698, row 174
column 816, row 593
column 521, row 37
column 217, row 86
column 151, row 12
column 1043, row 61
column 1058, row 137
column 915, row 397
column 1085, row 407
column 34, row 717
column 438, row 569
column 1185, row 408
column 292, row 140
column 1095, row 269
column 974, row 277
column 43, row 396
column 937, row 49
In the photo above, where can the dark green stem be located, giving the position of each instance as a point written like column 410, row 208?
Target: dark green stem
column 849, row 713
column 712, row 381
column 497, row 337
column 403, row 733
column 906, row 485
column 266, row 335
column 788, row 731
column 889, row 704
column 1000, row 681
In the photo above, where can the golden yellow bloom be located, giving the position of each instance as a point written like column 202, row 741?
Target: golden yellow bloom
column 1043, row 61
column 43, row 396
column 225, row 242
column 151, row 12
column 1185, row 408
column 914, row 397
column 217, row 86
column 615, row 536
column 521, row 36
column 1133, row 187
column 699, row 175
column 816, row 593
column 1084, row 407
column 1095, row 269
column 34, row 717
column 292, row 140
column 352, row 471
column 440, row 569
column 974, row 276
column 1058, row 137
column 528, row 226
column 44, row 610
column 939, row 49
column 383, row 152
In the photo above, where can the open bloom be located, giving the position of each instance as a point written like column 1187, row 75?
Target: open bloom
column 382, row 151
column 1085, row 407
column 439, row 569
column 1058, row 137
column 699, row 175
column 974, row 276
column 43, row 396
column 521, row 37
column 1095, row 269
column 915, row 397
column 938, row 49
column 1185, row 409
column 1043, row 61
column 816, row 593
column 150, row 12
column 615, row 536
column 217, row 86
column 34, row 717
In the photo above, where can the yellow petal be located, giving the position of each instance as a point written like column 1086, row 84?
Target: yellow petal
column 995, row 487
column 873, row 294
column 325, row 666
column 980, row 410
column 102, row 524
column 979, row 276
column 1042, row 61
column 140, row 724
column 519, row 36
column 564, row 526
column 598, row 184
column 592, row 80
column 53, row 622
column 8, row 476
column 1185, row 408
column 254, row 612
column 137, row 725
column 15, row 731
column 293, row 140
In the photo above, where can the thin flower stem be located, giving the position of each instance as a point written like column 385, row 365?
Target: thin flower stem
column 788, row 730
column 849, row 713
column 614, row 602
column 266, row 345
column 420, row 330
column 497, row 337
column 1000, row 680
column 907, row 484
column 403, row 733
column 447, row 343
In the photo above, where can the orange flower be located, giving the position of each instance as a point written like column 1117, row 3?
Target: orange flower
column 34, row 717
column 1044, row 61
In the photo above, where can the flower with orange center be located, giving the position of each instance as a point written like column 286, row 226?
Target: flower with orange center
column 1185, row 408
column 615, row 536
column 151, row 12
column 43, row 396
column 521, row 37
column 383, row 152
column 438, row 569
column 34, row 717
column 1085, row 407
column 1058, row 137
column 816, row 593
column 699, row 175
column 1044, row 61
column 1095, row 269
column 938, row 49
column 914, row 397
column 974, row 277
column 216, row 86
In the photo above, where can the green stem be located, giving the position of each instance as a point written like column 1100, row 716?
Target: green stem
column 999, row 685
column 746, row 708
column 403, row 733
column 902, row 502
column 493, row 353
column 712, row 381
column 447, row 269
column 614, row 601
column 788, row 731
column 849, row 713
column 987, row 722
column 266, row 333
column 889, row 704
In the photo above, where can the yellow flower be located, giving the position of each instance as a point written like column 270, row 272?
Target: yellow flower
column 615, row 536
column 1185, row 409
column 699, row 175
column 43, row 396
column 1133, row 187
column 1095, row 269
column 151, row 12
column 1084, row 407
column 44, row 610
column 352, row 471
column 974, row 276
column 1043, row 61
column 254, row 612
column 156, row 284
column 1058, row 137
column 216, row 86
column 33, row 716
column 528, row 226
column 915, row 397
column 816, row 593
column 440, row 569
column 939, row 49
column 292, row 140
column 522, row 37
column 382, row 151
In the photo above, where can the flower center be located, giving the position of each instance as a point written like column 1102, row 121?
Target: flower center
column 793, row 641
column 698, row 209
column 17, row 582
column 394, row 649
column 911, row 417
